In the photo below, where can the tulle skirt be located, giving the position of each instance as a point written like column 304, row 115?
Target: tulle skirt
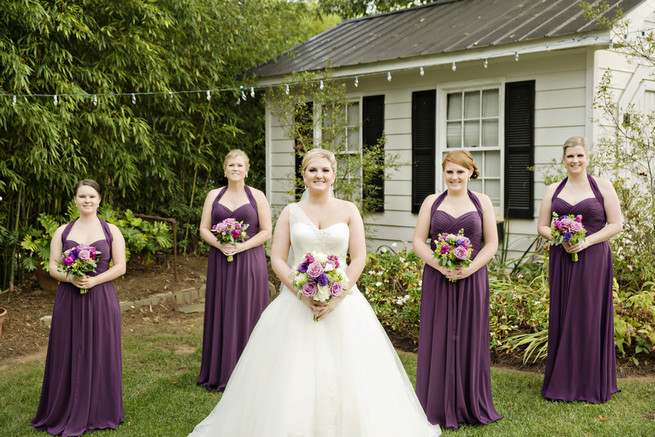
column 340, row 376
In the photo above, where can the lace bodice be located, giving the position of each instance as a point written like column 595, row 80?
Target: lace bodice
column 305, row 236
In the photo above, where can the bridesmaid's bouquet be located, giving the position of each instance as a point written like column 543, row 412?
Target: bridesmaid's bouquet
column 320, row 277
column 453, row 250
column 569, row 229
column 78, row 261
column 230, row 231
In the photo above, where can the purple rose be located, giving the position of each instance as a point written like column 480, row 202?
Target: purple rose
column 302, row 268
column 314, row 270
column 85, row 255
column 229, row 221
column 461, row 253
column 575, row 227
column 322, row 279
column 220, row 228
column 309, row 289
column 335, row 289
column 445, row 249
column 69, row 260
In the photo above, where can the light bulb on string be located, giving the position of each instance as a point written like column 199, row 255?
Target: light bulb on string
column 516, row 56
column 95, row 100
column 422, row 72
column 611, row 44
column 55, row 100
column 252, row 92
column 321, row 86
column 286, row 89
column 389, row 76
column 170, row 97
column 454, row 67
column 547, row 47
column 133, row 99
column 13, row 101
column 209, row 96
column 486, row 63
column 356, row 82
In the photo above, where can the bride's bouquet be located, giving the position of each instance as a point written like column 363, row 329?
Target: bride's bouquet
column 230, row 231
column 320, row 277
column 453, row 250
column 569, row 229
column 78, row 261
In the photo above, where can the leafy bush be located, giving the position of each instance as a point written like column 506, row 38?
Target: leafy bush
column 143, row 238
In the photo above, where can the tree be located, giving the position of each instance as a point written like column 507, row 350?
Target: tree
column 358, row 8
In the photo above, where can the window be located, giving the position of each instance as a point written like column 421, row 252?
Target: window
column 372, row 133
column 423, row 146
column 472, row 123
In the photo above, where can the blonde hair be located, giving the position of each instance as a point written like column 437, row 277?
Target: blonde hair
column 462, row 158
column 318, row 154
column 576, row 141
column 235, row 153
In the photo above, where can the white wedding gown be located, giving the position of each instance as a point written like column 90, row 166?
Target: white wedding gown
column 339, row 377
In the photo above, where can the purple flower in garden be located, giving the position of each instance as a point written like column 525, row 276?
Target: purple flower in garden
column 309, row 289
column 314, row 270
column 461, row 252
column 302, row 268
column 335, row 289
column 322, row 279
column 567, row 236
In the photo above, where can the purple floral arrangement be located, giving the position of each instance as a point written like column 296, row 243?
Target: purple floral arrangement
column 453, row 250
column 78, row 261
column 320, row 277
column 230, row 231
column 567, row 228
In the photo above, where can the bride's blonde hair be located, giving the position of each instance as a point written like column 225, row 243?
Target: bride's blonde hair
column 318, row 154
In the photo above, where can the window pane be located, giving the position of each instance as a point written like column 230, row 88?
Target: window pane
column 491, row 165
column 454, row 134
column 472, row 104
column 490, row 103
column 492, row 189
column 472, row 133
column 478, row 158
column 490, row 133
column 475, row 185
column 455, row 106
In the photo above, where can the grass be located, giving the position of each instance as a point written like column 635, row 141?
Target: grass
column 160, row 366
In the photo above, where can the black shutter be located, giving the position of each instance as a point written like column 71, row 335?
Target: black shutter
column 424, row 105
column 519, row 149
column 372, row 131
column 303, row 117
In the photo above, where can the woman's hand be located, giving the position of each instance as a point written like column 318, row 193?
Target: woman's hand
column 228, row 248
column 575, row 248
column 85, row 282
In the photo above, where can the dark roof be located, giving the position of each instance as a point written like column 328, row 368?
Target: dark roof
column 436, row 28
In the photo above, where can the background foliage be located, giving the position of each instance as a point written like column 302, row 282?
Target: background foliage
column 156, row 156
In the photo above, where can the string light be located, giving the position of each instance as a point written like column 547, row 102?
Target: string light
column 133, row 99
column 422, row 72
column 95, row 100
column 13, row 101
column 486, row 63
column 286, row 89
column 516, row 56
column 170, row 97
column 321, row 85
column 55, row 100
column 611, row 44
column 454, row 67
column 547, row 47
column 389, row 76
column 252, row 92
column 356, row 82
column 209, row 96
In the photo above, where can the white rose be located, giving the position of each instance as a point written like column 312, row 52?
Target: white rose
column 323, row 293
column 320, row 257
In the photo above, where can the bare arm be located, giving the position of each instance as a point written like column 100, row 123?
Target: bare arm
column 206, row 220
column 280, row 249
column 545, row 214
column 56, row 249
column 421, row 233
column 357, row 246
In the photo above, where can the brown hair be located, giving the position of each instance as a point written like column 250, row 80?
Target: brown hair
column 576, row 141
column 318, row 154
column 462, row 158
column 234, row 153
column 89, row 183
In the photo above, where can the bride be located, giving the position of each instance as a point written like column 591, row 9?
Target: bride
column 335, row 377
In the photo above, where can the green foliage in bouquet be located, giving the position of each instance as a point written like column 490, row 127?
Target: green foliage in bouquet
column 143, row 238
column 391, row 282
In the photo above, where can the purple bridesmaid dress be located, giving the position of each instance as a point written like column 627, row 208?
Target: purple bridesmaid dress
column 82, row 384
column 453, row 377
column 237, row 294
column 581, row 362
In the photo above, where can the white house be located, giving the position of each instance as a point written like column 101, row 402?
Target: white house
column 509, row 80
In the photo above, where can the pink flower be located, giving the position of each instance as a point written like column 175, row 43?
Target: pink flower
column 229, row 221
column 85, row 255
column 336, row 289
column 220, row 227
column 575, row 227
column 68, row 260
column 461, row 253
column 445, row 248
column 236, row 233
column 314, row 270
column 309, row 289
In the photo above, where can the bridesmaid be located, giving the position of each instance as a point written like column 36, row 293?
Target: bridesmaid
column 453, row 378
column 237, row 291
column 581, row 362
column 82, row 384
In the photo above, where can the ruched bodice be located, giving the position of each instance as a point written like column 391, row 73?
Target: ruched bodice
column 247, row 213
column 103, row 246
column 591, row 209
column 305, row 236
column 470, row 222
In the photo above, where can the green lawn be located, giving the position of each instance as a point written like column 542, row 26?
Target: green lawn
column 160, row 366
